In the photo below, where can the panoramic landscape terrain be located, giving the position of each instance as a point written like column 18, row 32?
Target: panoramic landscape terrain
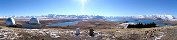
column 57, row 28
column 88, row 20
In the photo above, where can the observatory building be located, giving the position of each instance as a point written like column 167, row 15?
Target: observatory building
column 34, row 21
column 10, row 22
column 32, row 24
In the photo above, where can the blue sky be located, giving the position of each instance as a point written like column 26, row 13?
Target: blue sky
column 92, row 7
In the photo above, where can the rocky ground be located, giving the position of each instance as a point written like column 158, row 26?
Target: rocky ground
column 159, row 33
column 103, row 31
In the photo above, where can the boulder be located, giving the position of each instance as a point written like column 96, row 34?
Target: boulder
column 77, row 31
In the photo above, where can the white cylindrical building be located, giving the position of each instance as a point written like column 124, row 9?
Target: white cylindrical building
column 10, row 22
column 32, row 24
column 34, row 21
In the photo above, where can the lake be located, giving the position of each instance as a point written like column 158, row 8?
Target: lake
column 63, row 24
column 158, row 22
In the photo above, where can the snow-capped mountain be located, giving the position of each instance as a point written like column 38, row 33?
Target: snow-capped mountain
column 157, row 16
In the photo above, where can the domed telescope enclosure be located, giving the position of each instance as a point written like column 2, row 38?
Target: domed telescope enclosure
column 10, row 22
column 34, row 21
column 32, row 24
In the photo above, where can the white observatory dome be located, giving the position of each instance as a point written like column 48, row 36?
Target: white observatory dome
column 34, row 21
column 10, row 22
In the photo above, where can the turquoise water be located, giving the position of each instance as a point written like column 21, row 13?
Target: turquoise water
column 63, row 24
column 140, row 21
column 159, row 23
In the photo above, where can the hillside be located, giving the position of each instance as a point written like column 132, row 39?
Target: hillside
column 162, row 33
